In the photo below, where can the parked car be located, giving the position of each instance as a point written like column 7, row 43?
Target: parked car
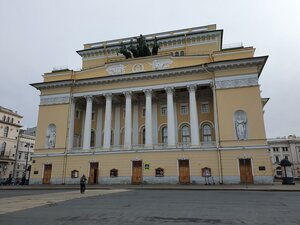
column 2, row 181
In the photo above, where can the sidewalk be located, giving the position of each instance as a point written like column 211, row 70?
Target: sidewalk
column 277, row 186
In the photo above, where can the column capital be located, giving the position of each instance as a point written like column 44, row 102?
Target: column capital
column 169, row 90
column 88, row 98
column 148, row 92
column 192, row 87
column 108, row 96
column 128, row 94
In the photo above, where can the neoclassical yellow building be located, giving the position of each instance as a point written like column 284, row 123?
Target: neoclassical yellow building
column 190, row 111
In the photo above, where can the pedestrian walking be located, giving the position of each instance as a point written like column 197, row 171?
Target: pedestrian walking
column 82, row 184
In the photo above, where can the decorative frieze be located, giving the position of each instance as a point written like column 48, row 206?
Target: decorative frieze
column 48, row 100
column 236, row 83
column 160, row 64
column 116, row 69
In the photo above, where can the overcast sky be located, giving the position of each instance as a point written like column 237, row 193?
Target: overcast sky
column 36, row 36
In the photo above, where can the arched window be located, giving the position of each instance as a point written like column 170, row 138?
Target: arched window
column 181, row 53
column 3, row 147
column 5, row 133
column 3, row 118
column 176, row 54
column 92, row 138
column 143, row 136
column 185, row 134
column 206, row 133
column 164, row 135
column 159, row 172
column 12, row 120
column 8, row 118
column 51, row 136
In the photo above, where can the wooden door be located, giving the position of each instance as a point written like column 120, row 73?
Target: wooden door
column 93, row 177
column 184, row 172
column 246, row 171
column 47, row 174
column 137, row 172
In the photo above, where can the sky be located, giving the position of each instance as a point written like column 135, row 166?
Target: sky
column 36, row 36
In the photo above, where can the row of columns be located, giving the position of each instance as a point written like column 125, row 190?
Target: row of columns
column 128, row 121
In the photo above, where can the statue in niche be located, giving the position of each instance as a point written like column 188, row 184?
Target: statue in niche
column 240, row 118
column 51, row 137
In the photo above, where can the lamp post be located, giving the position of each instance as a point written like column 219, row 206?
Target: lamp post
column 28, row 145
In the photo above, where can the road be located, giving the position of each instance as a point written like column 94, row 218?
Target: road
column 158, row 207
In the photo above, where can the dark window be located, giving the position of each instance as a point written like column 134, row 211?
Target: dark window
column 164, row 132
column 6, row 129
column 36, row 172
column 74, row 174
column 159, row 172
column 114, row 173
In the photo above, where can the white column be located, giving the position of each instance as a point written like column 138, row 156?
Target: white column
column 107, row 122
column 117, row 126
column 99, row 127
column 193, row 115
column 128, row 124
column 88, row 122
column 154, row 123
column 71, row 123
column 171, row 125
column 148, row 118
column 135, row 125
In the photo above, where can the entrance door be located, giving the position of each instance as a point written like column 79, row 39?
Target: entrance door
column 184, row 171
column 93, row 178
column 47, row 174
column 246, row 171
column 137, row 172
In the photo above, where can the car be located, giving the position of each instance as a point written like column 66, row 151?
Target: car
column 3, row 181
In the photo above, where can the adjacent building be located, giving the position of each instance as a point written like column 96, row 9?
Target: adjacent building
column 24, row 154
column 10, row 125
column 170, row 107
column 285, row 148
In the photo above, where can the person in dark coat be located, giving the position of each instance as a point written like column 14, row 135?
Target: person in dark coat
column 82, row 184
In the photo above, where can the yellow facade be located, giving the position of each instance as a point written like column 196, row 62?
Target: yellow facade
column 217, row 115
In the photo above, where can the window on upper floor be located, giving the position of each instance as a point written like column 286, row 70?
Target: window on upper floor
column 185, row 134
column 93, row 115
column 143, row 136
column 143, row 112
column 4, row 118
column 164, row 135
column 184, row 109
column 3, row 147
column 206, row 133
column 163, row 110
column 12, row 120
column 8, row 118
column 275, row 149
column 277, row 159
column 286, row 157
column 204, row 107
column 285, row 149
column 5, row 133
column 20, row 155
column 92, row 144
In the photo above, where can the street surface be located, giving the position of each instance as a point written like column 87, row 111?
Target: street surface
column 151, row 207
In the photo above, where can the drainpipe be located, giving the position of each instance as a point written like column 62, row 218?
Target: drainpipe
column 216, row 121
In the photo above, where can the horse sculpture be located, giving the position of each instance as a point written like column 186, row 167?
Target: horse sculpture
column 123, row 50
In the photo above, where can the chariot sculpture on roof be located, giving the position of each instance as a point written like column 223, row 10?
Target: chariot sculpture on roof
column 140, row 49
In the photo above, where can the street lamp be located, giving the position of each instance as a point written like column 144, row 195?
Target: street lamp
column 28, row 145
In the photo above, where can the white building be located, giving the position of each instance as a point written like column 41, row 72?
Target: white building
column 24, row 155
column 285, row 147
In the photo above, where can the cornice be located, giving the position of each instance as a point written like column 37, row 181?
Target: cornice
column 173, row 72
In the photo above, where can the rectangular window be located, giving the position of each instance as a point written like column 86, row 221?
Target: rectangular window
column 275, row 149
column 20, row 155
column 277, row 159
column 285, row 149
column 143, row 112
column 93, row 115
column 204, row 107
column 184, row 109
column 163, row 110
